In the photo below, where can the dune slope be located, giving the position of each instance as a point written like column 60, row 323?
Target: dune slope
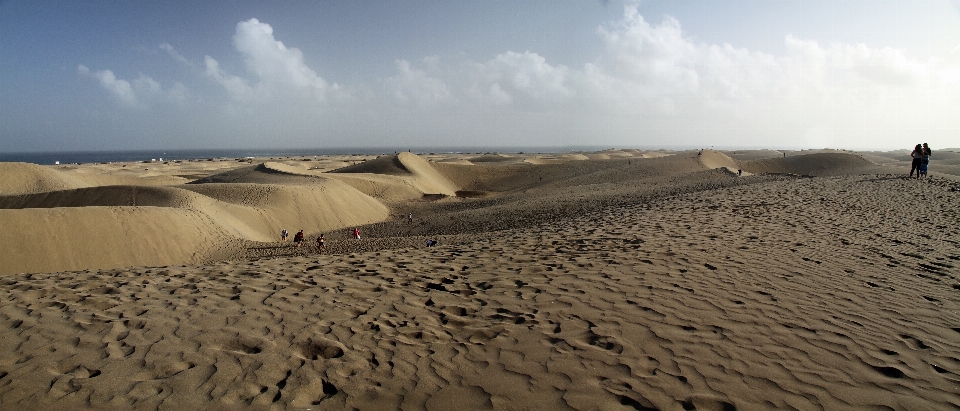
column 398, row 177
column 116, row 226
column 819, row 164
column 815, row 293
column 23, row 178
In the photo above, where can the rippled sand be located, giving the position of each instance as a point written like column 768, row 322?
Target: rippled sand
column 611, row 288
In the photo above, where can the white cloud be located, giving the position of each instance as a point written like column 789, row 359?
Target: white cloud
column 650, row 84
column 652, row 56
column 416, row 86
column 811, row 91
column 278, row 72
column 176, row 56
column 121, row 89
column 140, row 93
column 528, row 73
column 498, row 96
column 270, row 60
column 235, row 85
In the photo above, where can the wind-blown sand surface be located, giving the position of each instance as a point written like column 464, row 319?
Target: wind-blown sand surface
column 596, row 281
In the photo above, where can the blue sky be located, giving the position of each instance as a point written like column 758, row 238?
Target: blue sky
column 101, row 75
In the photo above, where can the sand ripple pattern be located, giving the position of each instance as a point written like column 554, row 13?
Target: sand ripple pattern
column 806, row 294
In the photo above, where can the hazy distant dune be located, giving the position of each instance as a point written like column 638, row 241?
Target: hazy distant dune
column 820, row 164
column 744, row 155
column 264, row 173
column 410, row 168
column 236, row 202
column 562, row 158
column 25, row 178
column 495, row 158
column 183, row 223
column 105, row 196
column 715, row 159
column 150, row 291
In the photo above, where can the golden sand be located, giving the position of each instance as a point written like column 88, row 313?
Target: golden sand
column 618, row 280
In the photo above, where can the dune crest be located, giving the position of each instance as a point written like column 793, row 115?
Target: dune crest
column 816, row 164
column 61, row 239
column 714, row 159
column 117, row 226
column 397, row 177
column 25, row 178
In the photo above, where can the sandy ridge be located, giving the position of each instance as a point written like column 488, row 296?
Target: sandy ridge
column 675, row 304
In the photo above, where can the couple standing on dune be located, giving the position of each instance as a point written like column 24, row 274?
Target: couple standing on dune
column 921, row 159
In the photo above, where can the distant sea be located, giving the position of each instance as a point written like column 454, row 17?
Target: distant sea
column 84, row 157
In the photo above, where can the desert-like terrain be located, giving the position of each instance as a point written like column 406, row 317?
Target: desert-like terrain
column 612, row 280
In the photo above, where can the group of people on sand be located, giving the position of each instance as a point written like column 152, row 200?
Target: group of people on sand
column 921, row 159
column 299, row 238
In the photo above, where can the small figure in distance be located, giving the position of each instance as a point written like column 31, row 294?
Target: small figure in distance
column 283, row 234
column 356, row 233
column 924, row 161
column 917, row 155
column 739, row 172
column 431, row 243
column 410, row 218
column 298, row 238
column 321, row 243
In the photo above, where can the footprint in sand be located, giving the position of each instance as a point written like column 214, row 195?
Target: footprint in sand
column 317, row 349
column 243, row 347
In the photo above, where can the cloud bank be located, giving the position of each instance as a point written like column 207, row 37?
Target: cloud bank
column 649, row 85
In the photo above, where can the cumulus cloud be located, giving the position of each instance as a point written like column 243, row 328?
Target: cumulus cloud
column 270, row 60
column 235, row 85
column 121, row 89
column 649, row 80
column 498, row 96
column 140, row 92
column 175, row 55
column 411, row 85
column 528, row 73
column 655, row 72
column 278, row 70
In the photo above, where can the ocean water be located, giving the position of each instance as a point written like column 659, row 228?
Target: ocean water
column 84, row 157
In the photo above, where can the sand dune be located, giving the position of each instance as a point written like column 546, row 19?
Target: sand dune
column 821, row 164
column 134, row 225
column 408, row 169
column 742, row 155
column 58, row 239
column 496, row 158
column 613, row 280
column 715, row 159
column 254, row 202
column 23, row 178
column 542, row 159
column 781, row 294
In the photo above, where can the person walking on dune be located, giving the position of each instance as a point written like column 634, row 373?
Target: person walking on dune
column 321, row 243
column 298, row 238
column 283, row 234
column 917, row 155
column 356, row 233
